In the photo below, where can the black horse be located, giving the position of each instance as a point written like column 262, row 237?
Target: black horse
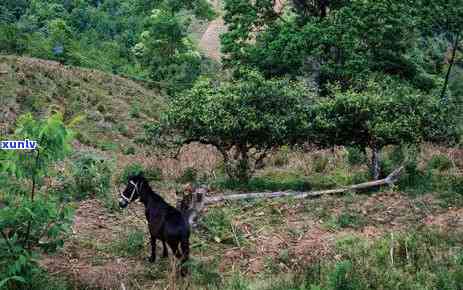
column 165, row 222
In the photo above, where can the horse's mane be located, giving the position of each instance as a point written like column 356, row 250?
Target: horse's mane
column 149, row 190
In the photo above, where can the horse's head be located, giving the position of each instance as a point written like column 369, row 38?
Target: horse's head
column 133, row 190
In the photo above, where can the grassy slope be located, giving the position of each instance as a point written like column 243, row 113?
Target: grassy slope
column 263, row 242
column 114, row 108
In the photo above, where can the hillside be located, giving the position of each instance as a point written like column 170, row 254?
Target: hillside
column 261, row 244
column 272, row 145
column 113, row 108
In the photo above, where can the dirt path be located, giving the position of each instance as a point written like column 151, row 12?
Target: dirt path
column 210, row 41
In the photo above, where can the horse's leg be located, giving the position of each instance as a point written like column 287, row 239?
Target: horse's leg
column 155, row 230
column 152, row 258
column 185, row 245
column 173, row 244
column 165, row 252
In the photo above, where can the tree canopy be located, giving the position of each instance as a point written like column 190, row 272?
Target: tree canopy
column 243, row 119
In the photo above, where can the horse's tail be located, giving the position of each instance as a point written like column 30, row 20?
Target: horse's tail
column 191, row 205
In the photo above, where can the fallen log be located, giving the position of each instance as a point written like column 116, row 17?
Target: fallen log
column 194, row 202
column 389, row 180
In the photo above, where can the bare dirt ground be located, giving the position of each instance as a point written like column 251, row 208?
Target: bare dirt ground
column 302, row 232
column 210, row 40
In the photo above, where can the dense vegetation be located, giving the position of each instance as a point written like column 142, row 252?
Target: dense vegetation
column 308, row 95
column 373, row 66
column 30, row 221
column 142, row 39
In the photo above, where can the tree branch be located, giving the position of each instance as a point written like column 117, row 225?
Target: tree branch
column 449, row 70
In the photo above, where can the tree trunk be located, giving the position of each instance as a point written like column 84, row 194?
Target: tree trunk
column 449, row 70
column 243, row 164
column 237, row 166
column 375, row 166
column 192, row 204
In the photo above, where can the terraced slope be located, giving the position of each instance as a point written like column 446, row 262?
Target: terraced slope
column 113, row 108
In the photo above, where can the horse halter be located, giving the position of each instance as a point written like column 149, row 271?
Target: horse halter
column 135, row 189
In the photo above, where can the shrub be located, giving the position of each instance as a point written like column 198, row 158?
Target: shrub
column 123, row 129
column 360, row 177
column 320, row 163
column 135, row 109
column 321, row 181
column 387, row 165
column 418, row 259
column 343, row 277
column 91, row 175
column 352, row 220
column 31, row 224
column 205, row 274
column 190, row 174
column 440, row 162
column 129, row 150
column 130, row 245
column 452, row 195
column 129, row 170
column 355, row 156
column 272, row 181
column 152, row 173
column 281, row 158
column 456, row 184
column 220, row 227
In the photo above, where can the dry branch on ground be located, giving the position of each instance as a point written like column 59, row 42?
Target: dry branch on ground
column 193, row 203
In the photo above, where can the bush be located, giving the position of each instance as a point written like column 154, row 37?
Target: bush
column 343, row 277
column 205, row 273
column 355, row 156
column 130, row 245
column 320, row 163
column 440, row 162
column 421, row 259
column 220, row 227
column 281, row 158
column 135, row 109
column 129, row 170
column 346, row 220
column 272, row 181
column 123, row 129
column 129, row 150
column 91, row 175
column 48, row 223
column 151, row 173
column 456, row 184
column 189, row 175
column 360, row 177
column 33, row 223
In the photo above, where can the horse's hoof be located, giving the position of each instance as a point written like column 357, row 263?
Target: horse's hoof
column 151, row 259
